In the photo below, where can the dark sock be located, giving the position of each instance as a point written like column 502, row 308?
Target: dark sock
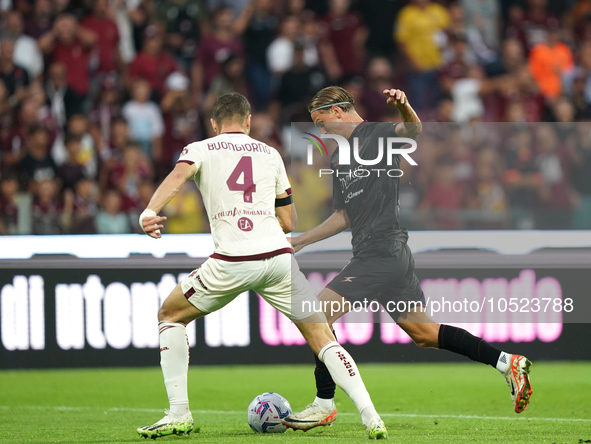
column 460, row 341
column 325, row 386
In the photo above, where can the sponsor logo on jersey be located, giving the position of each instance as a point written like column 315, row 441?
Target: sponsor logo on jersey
column 245, row 224
column 349, row 279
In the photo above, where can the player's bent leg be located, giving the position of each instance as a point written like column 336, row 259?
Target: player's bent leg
column 173, row 316
column 322, row 411
column 515, row 368
column 345, row 373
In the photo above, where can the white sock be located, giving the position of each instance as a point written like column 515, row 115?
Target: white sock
column 174, row 360
column 325, row 404
column 504, row 362
column 345, row 374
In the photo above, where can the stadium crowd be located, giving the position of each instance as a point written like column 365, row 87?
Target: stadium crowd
column 98, row 98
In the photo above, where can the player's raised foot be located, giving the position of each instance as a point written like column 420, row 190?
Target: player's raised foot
column 377, row 429
column 517, row 376
column 312, row 416
column 171, row 424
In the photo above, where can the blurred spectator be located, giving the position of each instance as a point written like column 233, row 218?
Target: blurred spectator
column 458, row 62
column 297, row 86
column 15, row 78
column 280, row 52
column 15, row 135
column 581, row 74
column 135, row 206
column 258, row 24
column 133, row 169
column 107, row 108
column 26, row 49
column 105, row 28
column 478, row 49
column 117, row 143
column 145, row 119
column 110, row 219
column 10, row 153
column 419, row 32
column 263, row 128
column 482, row 17
column 467, row 95
column 230, row 79
column 235, row 7
column 444, row 198
column 378, row 16
column 521, row 95
column 62, row 99
column 549, row 62
column 347, row 35
column 40, row 21
column 579, row 98
column 556, row 197
column 522, row 178
column 119, row 138
column 213, row 50
column 80, row 208
column 580, row 164
column 304, row 180
column 152, row 64
column 88, row 157
column 8, row 208
column 379, row 77
column 180, row 123
column 72, row 170
column 185, row 211
column 486, row 195
column 445, row 110
column 37, row 164
column 71, row 44
column 531, row 26
column 182, row 20
column 47, row 208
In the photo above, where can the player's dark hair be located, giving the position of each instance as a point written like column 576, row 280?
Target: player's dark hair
column 332, row 94
column 231, row 107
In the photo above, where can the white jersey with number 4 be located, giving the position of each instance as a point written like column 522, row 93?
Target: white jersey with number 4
column 239, row 178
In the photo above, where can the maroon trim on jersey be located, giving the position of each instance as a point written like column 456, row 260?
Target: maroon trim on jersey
column 190, row 162
column 254, row 257
column 233, row 132
column 190, row 292
column 288, row 191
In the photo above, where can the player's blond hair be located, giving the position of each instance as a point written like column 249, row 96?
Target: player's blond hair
column 332, row 95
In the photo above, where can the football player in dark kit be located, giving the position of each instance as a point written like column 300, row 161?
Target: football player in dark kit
column 382, row 267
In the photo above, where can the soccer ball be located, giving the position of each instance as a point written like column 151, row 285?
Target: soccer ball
column 266, row 411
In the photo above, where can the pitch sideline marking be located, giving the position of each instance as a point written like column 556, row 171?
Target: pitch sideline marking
column 235, row 412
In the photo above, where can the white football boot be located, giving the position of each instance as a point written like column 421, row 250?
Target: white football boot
column 312, row 416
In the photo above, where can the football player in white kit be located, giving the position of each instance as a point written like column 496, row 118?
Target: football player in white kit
column 248, row 201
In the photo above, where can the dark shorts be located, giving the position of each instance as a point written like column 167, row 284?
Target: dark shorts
column 383, row 278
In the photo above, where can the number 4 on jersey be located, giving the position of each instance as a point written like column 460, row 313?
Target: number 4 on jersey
column 247, row 186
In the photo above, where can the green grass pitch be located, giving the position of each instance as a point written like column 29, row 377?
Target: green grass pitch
column 431, row 403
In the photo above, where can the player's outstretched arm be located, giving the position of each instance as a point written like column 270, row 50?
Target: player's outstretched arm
column 149, row 219
column 337, row 222
column 286, row 212
column 411, row 124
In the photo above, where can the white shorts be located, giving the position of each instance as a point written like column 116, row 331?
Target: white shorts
column 277, row 279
